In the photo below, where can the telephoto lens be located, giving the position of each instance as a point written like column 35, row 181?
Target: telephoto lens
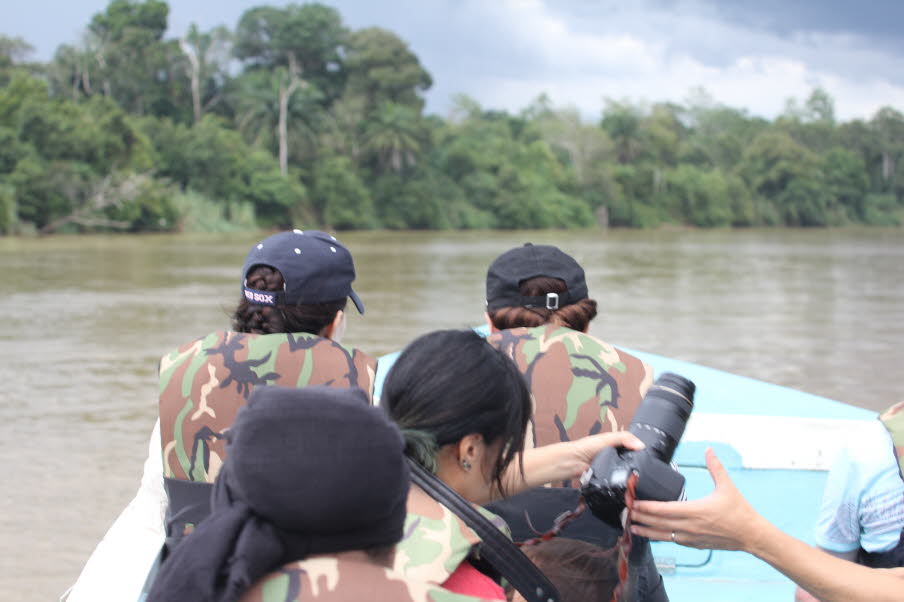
column 662, row 415
column 659, row 422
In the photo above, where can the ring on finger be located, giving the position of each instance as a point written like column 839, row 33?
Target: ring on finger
column 673, row 537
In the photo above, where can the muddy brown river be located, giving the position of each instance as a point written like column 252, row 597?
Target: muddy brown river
column 88, row 317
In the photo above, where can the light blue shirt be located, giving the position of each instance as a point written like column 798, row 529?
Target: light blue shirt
column 863, row 502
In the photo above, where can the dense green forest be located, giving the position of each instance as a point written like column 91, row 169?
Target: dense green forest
column 291, row 117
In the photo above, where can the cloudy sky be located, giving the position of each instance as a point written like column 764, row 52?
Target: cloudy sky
column 752, row 54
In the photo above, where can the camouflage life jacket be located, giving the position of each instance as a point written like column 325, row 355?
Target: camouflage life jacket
column 893, row 421
column 329, row 579
column 580, row 385
column 205, row 382
column 435, row 542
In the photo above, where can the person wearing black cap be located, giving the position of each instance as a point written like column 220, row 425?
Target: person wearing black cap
column 265, row 513
column 286, row 331
column 534, row 285
column 539, row 310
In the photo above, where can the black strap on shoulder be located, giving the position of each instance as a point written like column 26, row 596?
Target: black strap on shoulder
column 189, row 504
column 496, row 548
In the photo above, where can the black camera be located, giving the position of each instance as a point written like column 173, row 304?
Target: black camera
column 659, row 422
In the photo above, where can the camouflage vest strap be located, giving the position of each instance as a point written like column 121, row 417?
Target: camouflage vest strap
column 580, row 385
column 339, row 578
column 435, row 541
column 893, row 420
column 204, row 383
column 496, row 550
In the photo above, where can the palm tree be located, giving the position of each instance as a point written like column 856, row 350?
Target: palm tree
column 274, row 107
column 622, row 122
column 206, row 59
column 393, row 135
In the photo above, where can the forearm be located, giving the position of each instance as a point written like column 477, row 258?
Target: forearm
column 828, row 578
column 542, row 465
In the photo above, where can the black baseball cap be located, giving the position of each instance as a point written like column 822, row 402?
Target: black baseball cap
column 315, row 267
column 509, row 270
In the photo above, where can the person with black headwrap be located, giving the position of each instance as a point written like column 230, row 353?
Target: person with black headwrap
column 309, row 472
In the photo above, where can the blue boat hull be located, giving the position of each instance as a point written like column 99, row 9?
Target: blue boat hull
column 806, row 432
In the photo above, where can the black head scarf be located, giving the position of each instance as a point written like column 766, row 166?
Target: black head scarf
column 308, row 471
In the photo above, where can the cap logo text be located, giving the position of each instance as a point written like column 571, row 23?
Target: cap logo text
column 261, row 298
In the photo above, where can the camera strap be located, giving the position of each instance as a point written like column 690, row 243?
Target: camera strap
column 497, row 549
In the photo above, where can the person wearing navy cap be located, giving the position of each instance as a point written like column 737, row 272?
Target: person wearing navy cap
column 297, row 281
column 315, row 267
column 538, row 309
column 286, row 331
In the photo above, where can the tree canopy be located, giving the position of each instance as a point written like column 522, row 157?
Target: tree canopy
column 291, row 117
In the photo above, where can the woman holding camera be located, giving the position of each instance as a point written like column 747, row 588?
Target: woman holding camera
column 464, row 409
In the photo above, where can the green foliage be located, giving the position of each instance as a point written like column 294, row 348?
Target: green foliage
column 631, row 205
column 393, row 137
column 341, row 196
column 141, row 203
column 8, row 219
column 381, row 69
column 133, row 62
column 702, row 198
column 198, row 213
column 773, row 161
column 13, row 51
column 621, row 120
column 292, row 117
column 217, row 163
column 426, row 201
column 846, row 181
column 255, row 97
column 881, row 210
column 718, row 136
column 305, row 38
column 47, row 191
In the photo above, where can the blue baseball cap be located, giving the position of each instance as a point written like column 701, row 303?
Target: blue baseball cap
column 315, row 266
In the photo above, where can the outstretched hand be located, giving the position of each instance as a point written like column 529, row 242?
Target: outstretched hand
column 723, row 520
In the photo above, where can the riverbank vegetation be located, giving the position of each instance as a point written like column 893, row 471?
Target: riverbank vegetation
column 292, row 117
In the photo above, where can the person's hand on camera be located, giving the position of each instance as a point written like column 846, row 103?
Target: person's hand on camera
column 723, row 520
column 586, row 448
column 564, row 461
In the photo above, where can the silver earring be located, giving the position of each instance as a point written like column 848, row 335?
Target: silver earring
column 466, row 465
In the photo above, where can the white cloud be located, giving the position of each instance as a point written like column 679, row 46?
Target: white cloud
column 651, row 57
column 506, row 52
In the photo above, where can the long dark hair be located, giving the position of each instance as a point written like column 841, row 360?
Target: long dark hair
column 579, row 570
column 450, row 383
column 576, row 316
column 263, row 319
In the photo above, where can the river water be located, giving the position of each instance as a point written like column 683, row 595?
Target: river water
column 88, row 317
